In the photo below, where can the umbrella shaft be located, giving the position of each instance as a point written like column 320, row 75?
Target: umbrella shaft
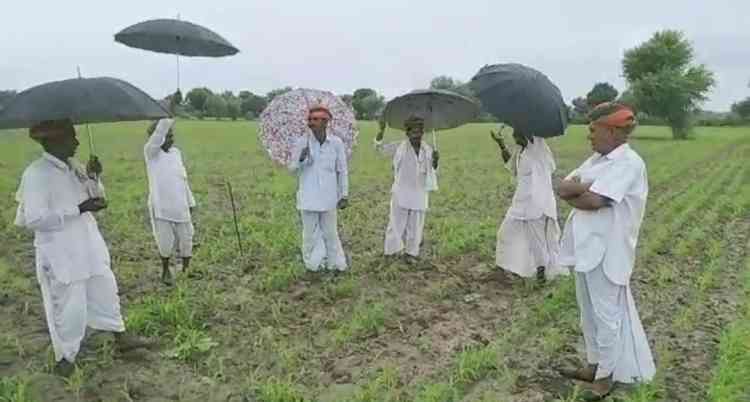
column 92, row 150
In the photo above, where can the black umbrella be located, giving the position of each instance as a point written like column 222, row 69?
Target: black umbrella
column 83, row 101
column 440, row 109
column 523, row 98
column 174, row 36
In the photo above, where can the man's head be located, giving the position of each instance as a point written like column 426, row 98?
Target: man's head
column 318, row 118
column 610, row 125
column 168, row 139
column 414, row 126
column 57, row 137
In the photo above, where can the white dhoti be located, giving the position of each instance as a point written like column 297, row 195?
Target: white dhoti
column 72, row 307
column 173, row 238
column 320, row 241
column 404, row 230
column 614, row 337
column 524, row 245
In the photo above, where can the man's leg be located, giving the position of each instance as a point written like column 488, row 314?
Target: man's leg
column 65, row 310
column 165, row 241
column 608, row 301
column 103, row 304
column 311, row 237
column 184, row 232
column 414, row 232
column 104, row 311
column 394, row 232
column 605, row 312
column 334, row 250
column 587, row 314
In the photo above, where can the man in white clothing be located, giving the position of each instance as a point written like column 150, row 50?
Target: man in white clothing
column 72, row 260
column 170, row 200
column 319, row 160
column 414, row 177
column 608, row 193
column 528, row 238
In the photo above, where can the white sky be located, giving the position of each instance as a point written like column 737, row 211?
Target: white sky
column 391, row 45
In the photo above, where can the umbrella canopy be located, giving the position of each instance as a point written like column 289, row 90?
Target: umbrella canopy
column 441, row 110
column 285, row 120
column 175, row 37
column 82, row 100
column 522, row 97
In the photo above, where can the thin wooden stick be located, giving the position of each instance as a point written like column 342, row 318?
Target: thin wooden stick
column 234, row 214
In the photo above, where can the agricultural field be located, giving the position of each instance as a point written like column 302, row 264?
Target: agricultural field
column 256, row 327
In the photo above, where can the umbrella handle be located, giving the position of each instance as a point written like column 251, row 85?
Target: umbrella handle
column 92, row 150
column 434, row 140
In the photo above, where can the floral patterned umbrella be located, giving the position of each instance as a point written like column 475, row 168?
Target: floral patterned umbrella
column 285, row 120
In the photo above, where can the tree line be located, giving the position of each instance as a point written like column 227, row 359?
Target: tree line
column 664, row 86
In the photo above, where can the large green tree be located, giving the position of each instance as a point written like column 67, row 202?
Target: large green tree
column 197, row 98
column 252, row 104
column 216, row 106
column 367, row 103
column 447, row 83
column 742, row 108
column 600, row 93
column 276, row 92
column 664, row 80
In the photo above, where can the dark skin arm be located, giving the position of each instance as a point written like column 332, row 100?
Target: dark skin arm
column 498, row 137
column 435, row 159
column 92, row 205
column 588, row 201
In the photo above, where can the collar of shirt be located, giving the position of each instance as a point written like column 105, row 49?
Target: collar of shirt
column 617, row 152
column 314, row 139
column 56, row 162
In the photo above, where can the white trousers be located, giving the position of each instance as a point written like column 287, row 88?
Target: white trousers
column 72, row 307
column 321, row 245
column 173, row 238
column 525, row 245
column 612, row 330
column 405, row 229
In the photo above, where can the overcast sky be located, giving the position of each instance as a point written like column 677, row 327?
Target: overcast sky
column 391, row 45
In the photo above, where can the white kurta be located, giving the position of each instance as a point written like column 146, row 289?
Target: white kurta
column 323, row 181
column 601, row 246
column 413, row 179
column 528, row 237
column 72, row 260
column 170, row 197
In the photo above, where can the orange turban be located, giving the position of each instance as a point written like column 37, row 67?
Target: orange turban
column 319, row 109
column 50, row 129
column 611, row 114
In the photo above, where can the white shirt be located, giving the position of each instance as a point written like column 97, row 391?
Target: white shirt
column 169, row 195
column 608, row 235
column 66, row 240
column 532, row 168
column 413, row 175
column 323, row 175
